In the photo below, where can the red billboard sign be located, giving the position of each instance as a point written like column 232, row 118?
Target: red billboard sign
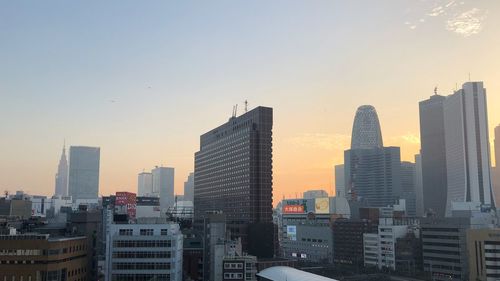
column 129, row 200
column 293, row 209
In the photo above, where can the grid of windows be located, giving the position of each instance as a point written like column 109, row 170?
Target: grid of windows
column 142, row 244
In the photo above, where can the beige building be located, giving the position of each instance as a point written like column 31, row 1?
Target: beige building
column 483, row 249
column 37, row 257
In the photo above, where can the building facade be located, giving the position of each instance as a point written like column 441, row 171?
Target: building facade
column 433, row 154
column 83, row 180
column 340, row 187
column 233, row 174
column 366, row 132
column 163, row 186
column 37, row 257
column 467, row 146
column 408, row 187
column 189, row 188
column 148, row 250
column 483, row 249
column 348, row 240
column 145, row 184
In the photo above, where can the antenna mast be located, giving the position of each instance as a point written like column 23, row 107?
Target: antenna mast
column 246, row 106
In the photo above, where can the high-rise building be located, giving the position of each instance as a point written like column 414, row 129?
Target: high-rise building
column 83, row 172
column 433, row 154
column 316, row 193
column 467, row 146
column 189, row 188
column 372, row 172
column 374, row 175
column 233, row 174
column 495, row 172
column 340, row 186
column 419, row 189
column 145, row 184
column 366, row 132
column 62, row 175
column 408, row 187
column 163, row 186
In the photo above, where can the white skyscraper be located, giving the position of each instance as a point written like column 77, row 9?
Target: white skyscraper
column 62, row 175
column 83, row 180
column 467, row 146
column 145, row 184
column 163, row 185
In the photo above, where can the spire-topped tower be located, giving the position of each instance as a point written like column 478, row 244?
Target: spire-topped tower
column 62, row 174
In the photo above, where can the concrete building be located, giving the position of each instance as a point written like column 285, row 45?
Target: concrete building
column 163, row 186
column 306, row 223
column 145, row 184
column 15, row 207
column 189, row 188
column 495, row 171
column 444, row 245
column 42, row 257
column 233, row 174
column 380, row 248
column 311, row 194
column 239, row 268
column 433, row 154
column 148, row 250
column 419, row 187
column 61, row 187
column 348, row 240
column 408, row 187
column 83, row 181
column 340, row 186
column 483, row 251
column 373, row 175
column 467, row 146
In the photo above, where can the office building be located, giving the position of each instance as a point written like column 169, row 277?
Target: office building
column 340, row 186
column 307, row 237
column 444, row 245
column 61, row 188
column 83, row 181
column 348, row 240
column 192, row 256
column 380, row 248
column 233, row 174
column 42, row 257
column 495, row 171
column 151, row 249
column 163, row 186
column 483, row 249
column 239, row 268
column 419, row 188
column 433, row 155
column 15, row 207
column 408, row 187
column 311, row 194
column 467, row 147
column 189, row 188
column 366, row 132
column 374, row 175
column 372, row 172
column 145, row 184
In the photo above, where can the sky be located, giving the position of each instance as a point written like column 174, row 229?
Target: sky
column 143, row 80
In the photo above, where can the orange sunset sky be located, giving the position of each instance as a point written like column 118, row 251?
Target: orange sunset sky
column 144, row 80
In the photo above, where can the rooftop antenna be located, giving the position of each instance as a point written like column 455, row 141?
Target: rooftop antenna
column 235, row 110
column 435, row 90
column 246, row 106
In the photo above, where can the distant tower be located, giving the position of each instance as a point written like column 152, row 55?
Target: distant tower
column 366, row 131
column 62, row 175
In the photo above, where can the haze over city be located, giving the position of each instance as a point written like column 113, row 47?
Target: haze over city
column 143, row 82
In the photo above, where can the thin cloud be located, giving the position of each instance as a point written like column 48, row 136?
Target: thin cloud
column 467, row 23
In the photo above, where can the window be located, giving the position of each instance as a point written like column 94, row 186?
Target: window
column 126, row 232
column 146, row 232
column 164, row 232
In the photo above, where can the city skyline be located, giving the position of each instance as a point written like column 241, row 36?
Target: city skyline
column 143, row 111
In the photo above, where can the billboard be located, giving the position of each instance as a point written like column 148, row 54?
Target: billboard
column 322, row 205
column 129, row 200
column 295, row 207
column 291, row 232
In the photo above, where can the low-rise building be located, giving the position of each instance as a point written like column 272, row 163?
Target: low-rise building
column 483, row 249
column 239, row 268
column 32, row 257
column 150, row 249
